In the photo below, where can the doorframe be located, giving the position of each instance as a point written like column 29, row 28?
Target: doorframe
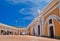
column 38, row 30
column 49, row 25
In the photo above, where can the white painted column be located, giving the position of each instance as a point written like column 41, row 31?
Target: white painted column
column 59, row 6
column 40, row 22
column 42, row 26
column 31, row 30
column 36, row 28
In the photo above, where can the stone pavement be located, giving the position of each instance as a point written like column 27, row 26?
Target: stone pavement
column 24, row 38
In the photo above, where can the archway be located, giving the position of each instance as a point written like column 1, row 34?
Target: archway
column 51, row 17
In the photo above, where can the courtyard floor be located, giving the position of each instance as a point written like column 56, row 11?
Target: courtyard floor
column 24, row 38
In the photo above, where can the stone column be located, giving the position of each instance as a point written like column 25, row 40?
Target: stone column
column 42, row 26
column 40, row 23
column 59, row 7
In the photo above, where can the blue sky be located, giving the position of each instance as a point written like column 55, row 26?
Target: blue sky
column 20, row 12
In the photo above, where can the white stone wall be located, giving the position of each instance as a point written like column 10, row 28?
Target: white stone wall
column 31, row 30
column 43, row 29
column 59, row 5
column 36, row 29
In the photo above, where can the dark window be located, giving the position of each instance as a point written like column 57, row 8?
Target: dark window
column 50, row 21
column 7, row 32
column 11, row 32
column 2, row 31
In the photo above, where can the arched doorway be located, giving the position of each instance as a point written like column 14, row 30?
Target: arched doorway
column 51, row 32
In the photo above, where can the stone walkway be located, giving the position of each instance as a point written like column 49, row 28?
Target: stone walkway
column 23, row 38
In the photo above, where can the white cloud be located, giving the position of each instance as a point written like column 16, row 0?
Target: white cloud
column 28, row 18
column 24, row 1
column 22, row 10
column 14, row 2
column 30, row 10
column 45, row 0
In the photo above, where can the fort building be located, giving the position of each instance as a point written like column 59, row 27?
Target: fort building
column 48, row 22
